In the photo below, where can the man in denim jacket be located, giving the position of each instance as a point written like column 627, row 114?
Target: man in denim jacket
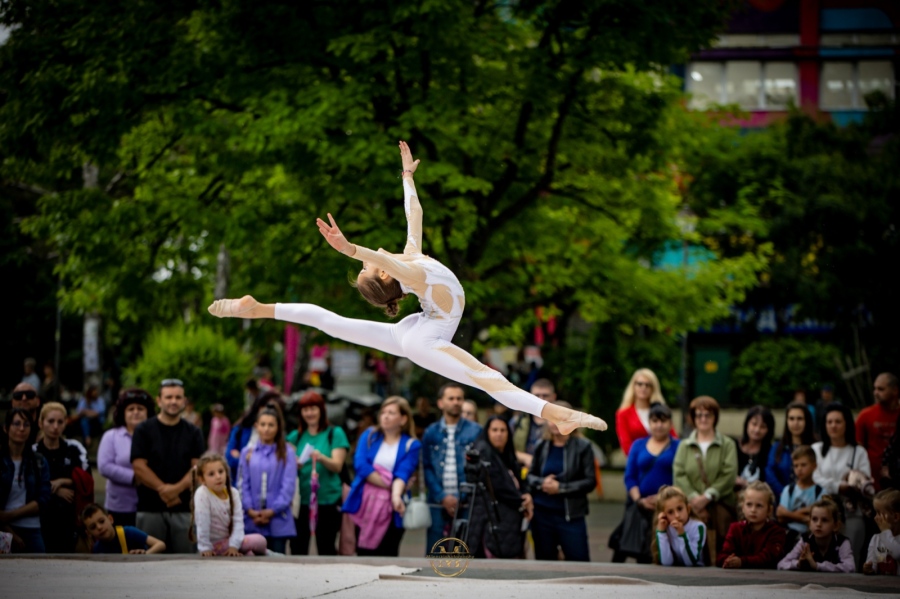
column 444, row 446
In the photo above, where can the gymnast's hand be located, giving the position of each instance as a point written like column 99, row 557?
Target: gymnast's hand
column 333, row 235
column 406, row 158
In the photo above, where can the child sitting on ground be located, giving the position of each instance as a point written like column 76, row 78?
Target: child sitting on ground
column 884, row 548
column 679, row 537
column 116, row 539
column 756, row 541
column 216, row 508
column 823, row 548
column 798, row 497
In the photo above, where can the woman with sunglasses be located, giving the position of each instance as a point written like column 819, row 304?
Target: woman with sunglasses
column 633, row 415
column 426, row 337
column 705, row 468
column 25, row 397
column 114, row 455
column 24, row 484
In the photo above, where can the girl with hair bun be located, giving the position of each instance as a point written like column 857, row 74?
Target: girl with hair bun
column 426, row 337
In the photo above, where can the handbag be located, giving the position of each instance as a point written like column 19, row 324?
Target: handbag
column 635, row 539
column 417, row 514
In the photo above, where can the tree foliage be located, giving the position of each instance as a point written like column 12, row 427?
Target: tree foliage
column 213, row 367
column 825, row 199
column 768, row 372
column 552, row 147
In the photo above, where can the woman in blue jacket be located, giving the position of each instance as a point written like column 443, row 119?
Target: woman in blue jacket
column 387, row 456
column 24, row 484
column 798, row 430
column 245, row 430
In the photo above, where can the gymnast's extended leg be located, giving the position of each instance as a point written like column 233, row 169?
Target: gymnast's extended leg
column 448, row 360
column 377, row 335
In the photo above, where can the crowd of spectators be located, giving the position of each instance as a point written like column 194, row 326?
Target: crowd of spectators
column 812, row 497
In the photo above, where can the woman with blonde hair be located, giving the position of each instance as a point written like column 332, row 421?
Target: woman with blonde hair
column 387, row 455
column 633, row 415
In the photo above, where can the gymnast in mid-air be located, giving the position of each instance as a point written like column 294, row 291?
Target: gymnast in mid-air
column 425, row 338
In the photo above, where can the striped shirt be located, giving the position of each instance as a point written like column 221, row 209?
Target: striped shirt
column 450, row 481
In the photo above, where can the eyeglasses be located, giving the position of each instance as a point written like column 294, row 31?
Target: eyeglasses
column 20, row 395
column 171, row 383
column 543, row 395
column 702, row 415
column 642, row 384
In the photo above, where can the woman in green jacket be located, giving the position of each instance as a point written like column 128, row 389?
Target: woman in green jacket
column 705, row 468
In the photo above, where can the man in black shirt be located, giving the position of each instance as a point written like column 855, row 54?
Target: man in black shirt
column 164, row 449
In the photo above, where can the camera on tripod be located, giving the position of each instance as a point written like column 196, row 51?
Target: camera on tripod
column 475, row 467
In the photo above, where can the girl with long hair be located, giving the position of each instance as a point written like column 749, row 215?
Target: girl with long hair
column 268, row 475
column 799, row 430
column 217, row 513
column 425, row 338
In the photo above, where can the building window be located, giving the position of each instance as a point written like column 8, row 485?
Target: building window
column 859, row 39
column 752, row 85
column 844, row 85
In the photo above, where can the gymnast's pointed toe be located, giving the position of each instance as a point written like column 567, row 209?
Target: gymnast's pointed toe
column 217, row 308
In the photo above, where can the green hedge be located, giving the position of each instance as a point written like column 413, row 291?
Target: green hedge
column 213, row 367
column 768, row 372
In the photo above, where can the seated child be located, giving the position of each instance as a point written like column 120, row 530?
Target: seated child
column 756, row 541
column 884, row 548
column 679, row 537
column 216, row 508
column 796, row 498
column 823, row 548
column 116, row 539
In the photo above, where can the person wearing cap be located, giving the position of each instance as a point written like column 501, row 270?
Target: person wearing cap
column 328, row 444
column 649, row 467
column 132, row 408
column 164, row 451
column 25, row 397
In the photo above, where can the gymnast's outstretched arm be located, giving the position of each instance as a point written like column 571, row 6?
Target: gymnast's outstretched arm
column 411, row 204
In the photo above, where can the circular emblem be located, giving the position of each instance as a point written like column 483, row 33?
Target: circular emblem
column 449, row 557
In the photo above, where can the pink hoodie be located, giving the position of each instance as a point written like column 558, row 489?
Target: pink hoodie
column 375, row 512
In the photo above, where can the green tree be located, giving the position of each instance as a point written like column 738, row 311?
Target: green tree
column 824, row 198
column 768, row 372
column 551, row 146
column 213, row 367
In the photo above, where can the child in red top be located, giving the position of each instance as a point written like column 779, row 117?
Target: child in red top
column 756, row 541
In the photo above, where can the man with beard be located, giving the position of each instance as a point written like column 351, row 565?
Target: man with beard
column 164, row 450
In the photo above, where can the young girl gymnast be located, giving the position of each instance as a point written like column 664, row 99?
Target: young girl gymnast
column 424, row 337
column 216, row 509
column 679, row 537
column 823, row 548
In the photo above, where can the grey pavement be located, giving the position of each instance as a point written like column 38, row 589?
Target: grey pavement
column 99, row 577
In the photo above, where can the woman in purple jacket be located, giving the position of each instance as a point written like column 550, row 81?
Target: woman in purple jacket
column 114, row 455
column 268, row 474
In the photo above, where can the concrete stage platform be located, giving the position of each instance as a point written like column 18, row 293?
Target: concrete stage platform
column 95, row 577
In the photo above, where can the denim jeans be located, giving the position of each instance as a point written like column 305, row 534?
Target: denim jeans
column 441, row 522
column 551, row 531
column 34, row 542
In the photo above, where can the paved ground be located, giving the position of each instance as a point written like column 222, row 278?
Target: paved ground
column 273, row 578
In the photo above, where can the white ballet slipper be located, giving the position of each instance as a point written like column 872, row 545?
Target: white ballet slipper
column 581, row 420
column 228, row 308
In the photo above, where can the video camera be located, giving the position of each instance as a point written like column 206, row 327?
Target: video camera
column 475, row 466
